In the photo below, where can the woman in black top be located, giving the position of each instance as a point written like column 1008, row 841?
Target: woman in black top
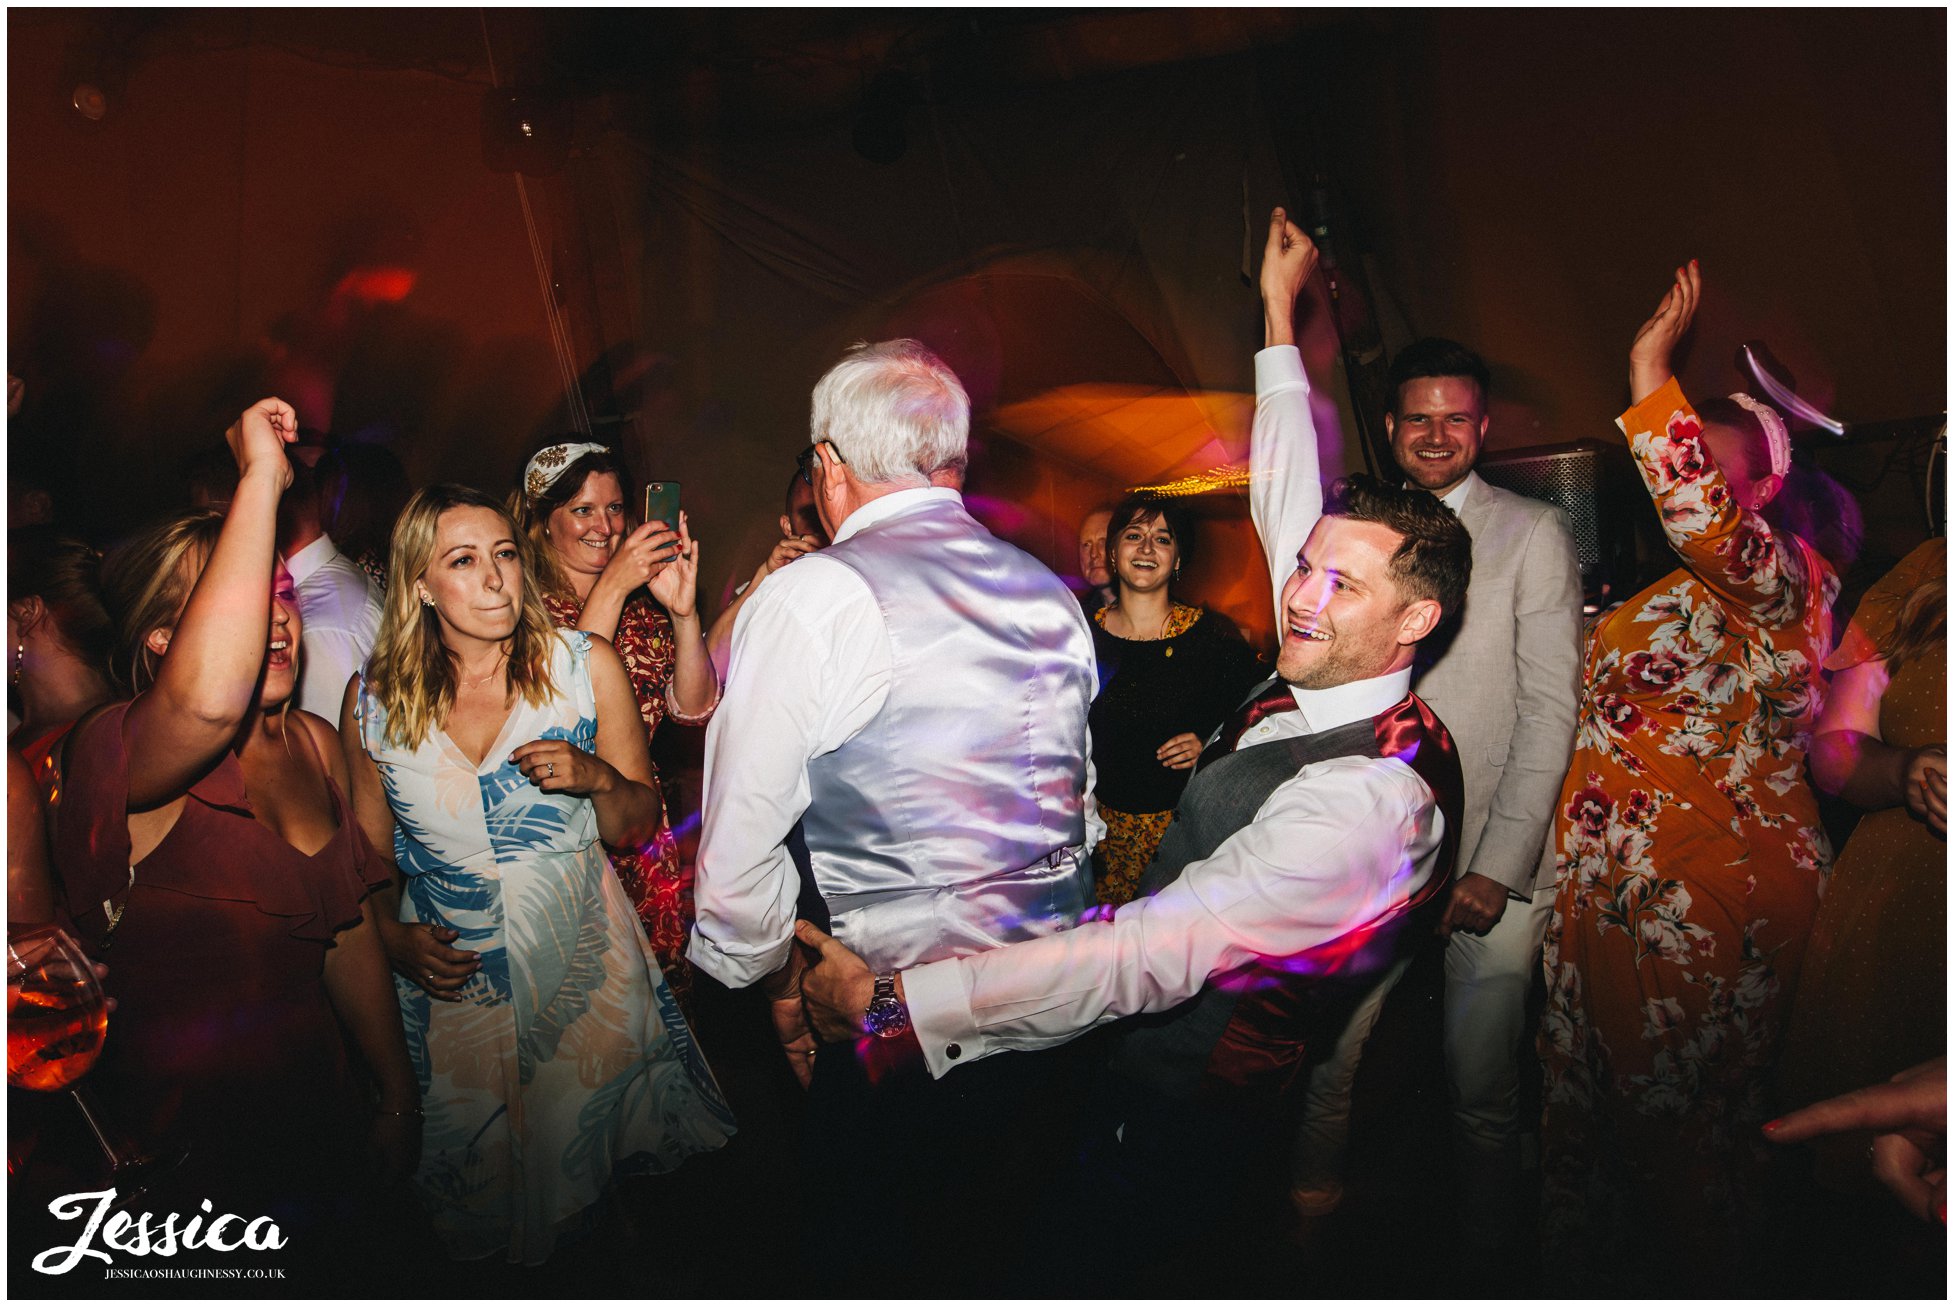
column 1169, row 673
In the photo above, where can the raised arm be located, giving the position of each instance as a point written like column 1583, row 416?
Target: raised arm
column 176, row 729
column 694, row 689
column 719, row 637
column 1285, row 488
column 1727, row 545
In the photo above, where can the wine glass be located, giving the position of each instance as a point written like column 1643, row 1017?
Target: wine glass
column 57, row 1018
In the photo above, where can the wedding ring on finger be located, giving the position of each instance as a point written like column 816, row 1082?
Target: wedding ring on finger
column 551, row 773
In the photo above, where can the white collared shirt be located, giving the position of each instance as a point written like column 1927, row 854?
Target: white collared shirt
column 339, row 611
column 810, row 667
column 1341, row 843
column 1455, row 498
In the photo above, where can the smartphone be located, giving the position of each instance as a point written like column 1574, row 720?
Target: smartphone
column 661, row 505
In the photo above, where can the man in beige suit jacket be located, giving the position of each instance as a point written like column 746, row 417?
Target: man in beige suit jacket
column 1506, row 686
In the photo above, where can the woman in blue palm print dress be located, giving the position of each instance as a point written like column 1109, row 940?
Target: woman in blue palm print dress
column 495, row 755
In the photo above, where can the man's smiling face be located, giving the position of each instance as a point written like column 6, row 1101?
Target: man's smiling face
column 1437, row 430
column 1344, row 619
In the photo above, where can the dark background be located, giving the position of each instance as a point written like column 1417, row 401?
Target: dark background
column 301, row 201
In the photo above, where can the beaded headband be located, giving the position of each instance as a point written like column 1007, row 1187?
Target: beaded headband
column 542, row 471
column 1775, row 434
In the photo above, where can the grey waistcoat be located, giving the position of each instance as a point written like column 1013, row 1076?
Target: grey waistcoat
column 953, row 822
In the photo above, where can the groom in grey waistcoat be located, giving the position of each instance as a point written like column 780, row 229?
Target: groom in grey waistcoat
column 915, row 696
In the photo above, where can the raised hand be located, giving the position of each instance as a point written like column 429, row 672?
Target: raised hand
column 1649, row 358
column 789, row 548
column 835, row 990
column 1288, row 259
column 676, row 585
column 259, row 436
column 640, row 557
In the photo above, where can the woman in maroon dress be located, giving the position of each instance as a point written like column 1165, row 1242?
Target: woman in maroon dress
column 602, row 575
column 210, row 857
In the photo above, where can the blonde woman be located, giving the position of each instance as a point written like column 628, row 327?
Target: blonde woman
column 206, row 842
column 636, row 587
column 492, row 752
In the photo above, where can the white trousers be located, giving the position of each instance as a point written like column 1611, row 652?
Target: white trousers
column 1486, row 982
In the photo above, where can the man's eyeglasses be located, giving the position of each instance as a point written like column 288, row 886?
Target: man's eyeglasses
column 806, row 460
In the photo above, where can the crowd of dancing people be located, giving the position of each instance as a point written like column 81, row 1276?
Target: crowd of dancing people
column 1066, row 903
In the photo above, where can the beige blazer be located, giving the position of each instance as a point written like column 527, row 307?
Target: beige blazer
column 1507, row 682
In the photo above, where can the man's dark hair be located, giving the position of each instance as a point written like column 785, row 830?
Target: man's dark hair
column 1434, row 560
column 1435, row 356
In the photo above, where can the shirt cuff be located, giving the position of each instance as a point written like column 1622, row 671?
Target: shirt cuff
column 1279, row 367
column 937, row 995
column 736, row 970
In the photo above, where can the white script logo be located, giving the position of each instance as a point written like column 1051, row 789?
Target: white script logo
column 133, row 1234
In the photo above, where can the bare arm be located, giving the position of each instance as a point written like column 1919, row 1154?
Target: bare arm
column 1850, row 759
column 418, row 950
column 719, row 637
column 694, row 691
column 617, row 779
column 209, row 674
column 30, row 885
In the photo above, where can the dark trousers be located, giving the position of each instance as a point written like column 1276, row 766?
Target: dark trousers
column 933, row 1188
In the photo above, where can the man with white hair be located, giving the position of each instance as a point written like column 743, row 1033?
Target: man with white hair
column 915, row 695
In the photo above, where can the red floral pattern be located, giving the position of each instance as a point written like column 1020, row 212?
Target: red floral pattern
column 1690, row 859
column 659, row 884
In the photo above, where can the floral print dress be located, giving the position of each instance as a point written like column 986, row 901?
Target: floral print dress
column 1690, row 861
column 566, row 1061
column 659, row 884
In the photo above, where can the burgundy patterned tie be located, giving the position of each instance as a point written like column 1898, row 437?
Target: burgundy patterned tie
column 1276, row 699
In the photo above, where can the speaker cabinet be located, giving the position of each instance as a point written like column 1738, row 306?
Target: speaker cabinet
column 1596, row 485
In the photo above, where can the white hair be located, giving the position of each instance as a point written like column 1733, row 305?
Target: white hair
column 895, row 412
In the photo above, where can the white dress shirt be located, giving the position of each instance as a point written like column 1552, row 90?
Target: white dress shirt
column 339, row 610
column 1455, row 498
column 1341, row 843
column 810, row 666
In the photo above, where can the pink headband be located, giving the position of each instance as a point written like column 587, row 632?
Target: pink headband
column 1774, row 433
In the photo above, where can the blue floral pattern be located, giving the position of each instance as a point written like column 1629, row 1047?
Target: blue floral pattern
column 566, row 1060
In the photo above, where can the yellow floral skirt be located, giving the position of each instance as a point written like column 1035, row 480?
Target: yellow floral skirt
column 1131, row 838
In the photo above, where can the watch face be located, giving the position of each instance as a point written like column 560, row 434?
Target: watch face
column 885, row 1017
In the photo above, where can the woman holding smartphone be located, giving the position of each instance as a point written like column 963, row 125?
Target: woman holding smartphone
column 637, row 587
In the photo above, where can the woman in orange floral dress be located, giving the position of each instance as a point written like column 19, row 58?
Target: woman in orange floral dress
column 600, row 574
column 1689, row 855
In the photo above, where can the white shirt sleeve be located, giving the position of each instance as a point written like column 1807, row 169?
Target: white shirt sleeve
column 1285, row 487
column 331, row 658
column 1337, row 845
column 810, row 666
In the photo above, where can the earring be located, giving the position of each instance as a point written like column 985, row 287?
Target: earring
column 1176, row 573
column 427, row 600
column 20, row 657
